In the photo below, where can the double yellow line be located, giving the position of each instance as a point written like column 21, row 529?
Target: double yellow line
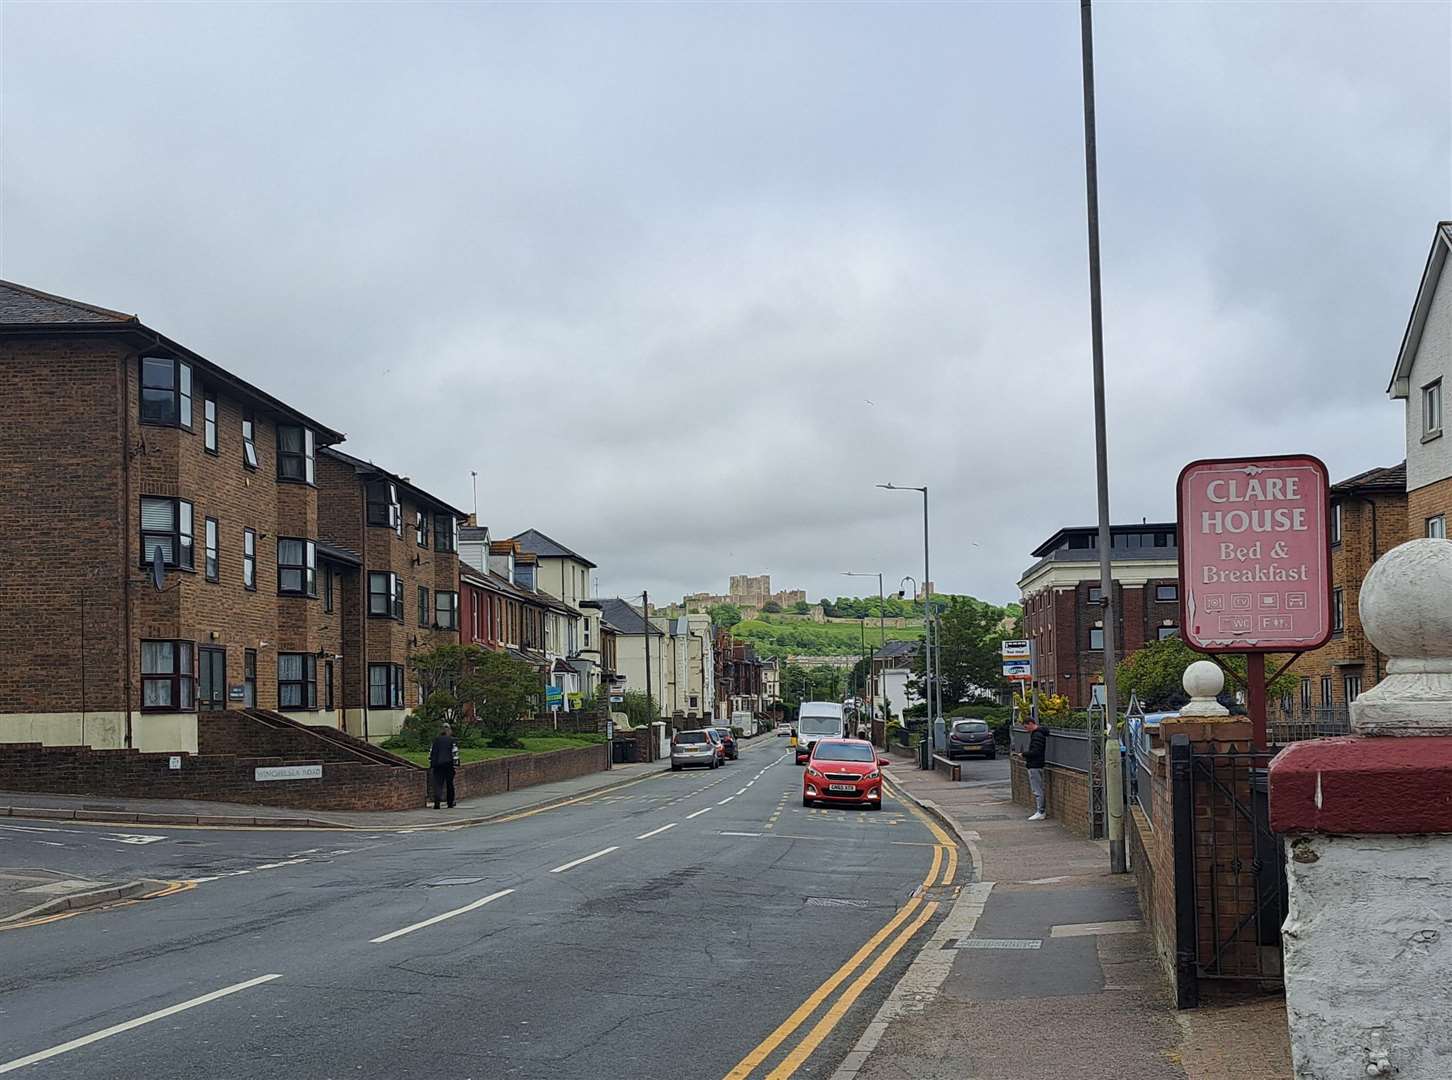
column 908, row 921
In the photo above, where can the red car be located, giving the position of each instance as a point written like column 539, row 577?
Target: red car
column 843, row 771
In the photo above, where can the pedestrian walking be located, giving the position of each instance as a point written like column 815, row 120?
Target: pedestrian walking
column 1033, row 761
column 443, row 756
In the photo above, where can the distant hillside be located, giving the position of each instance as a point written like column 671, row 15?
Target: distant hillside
column 776, row 636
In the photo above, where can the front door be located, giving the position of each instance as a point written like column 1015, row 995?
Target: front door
column 212, row 685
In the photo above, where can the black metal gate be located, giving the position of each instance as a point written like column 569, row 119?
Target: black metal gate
column 1230, row 879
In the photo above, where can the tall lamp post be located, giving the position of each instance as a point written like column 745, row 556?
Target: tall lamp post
column 881, row 639
column 1113, row 775
column 931, row 649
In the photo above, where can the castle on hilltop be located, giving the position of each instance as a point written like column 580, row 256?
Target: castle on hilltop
column 749, row 592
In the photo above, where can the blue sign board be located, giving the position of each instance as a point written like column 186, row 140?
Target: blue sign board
column 554, row 697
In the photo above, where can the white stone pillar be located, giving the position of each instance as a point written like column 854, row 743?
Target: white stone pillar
column 1368, row 825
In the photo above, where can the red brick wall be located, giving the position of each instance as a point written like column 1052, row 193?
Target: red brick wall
column 1066, row 794
column 73, row 770
column 526, row 770
column 61, row 452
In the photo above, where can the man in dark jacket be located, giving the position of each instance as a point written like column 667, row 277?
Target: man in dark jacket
column 442, row 756
column 1033, row 761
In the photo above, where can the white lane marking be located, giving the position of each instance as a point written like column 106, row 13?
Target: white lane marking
column 117, row 1029
column 132, row 838
column 275, row 865
column 698, row 813
column 724, row 833
column 440, row 918
column 587, row 858
column 726, row 800
column 657, row 832
column 743, row 790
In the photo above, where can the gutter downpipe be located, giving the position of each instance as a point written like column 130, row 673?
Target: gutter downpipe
column 363, row 591
column 123, row 397
column 1375, row 554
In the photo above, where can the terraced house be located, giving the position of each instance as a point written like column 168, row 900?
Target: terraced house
column 162, row 543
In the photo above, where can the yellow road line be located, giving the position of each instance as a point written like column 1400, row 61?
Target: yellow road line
column 814, row 1000
column 952, row 865
column 793, row 1061
column 806, row 1008
column 41, row 920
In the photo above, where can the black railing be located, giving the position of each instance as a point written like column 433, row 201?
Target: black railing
column 1230, row 878
column 1288, row 726
column 1066, row 749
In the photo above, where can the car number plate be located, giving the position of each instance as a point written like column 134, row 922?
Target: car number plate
column 841, row 787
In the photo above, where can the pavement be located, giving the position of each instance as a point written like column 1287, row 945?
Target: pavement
column 1043, row 968
column 28, row 893
column 692, row 926
column 245, row 815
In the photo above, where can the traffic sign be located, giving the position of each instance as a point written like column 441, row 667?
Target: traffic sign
column 1016, row 650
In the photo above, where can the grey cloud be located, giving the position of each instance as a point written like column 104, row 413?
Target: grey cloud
column 644, row 267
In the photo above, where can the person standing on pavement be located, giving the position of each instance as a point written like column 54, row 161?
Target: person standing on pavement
column 1033, row 761
column 443, row 755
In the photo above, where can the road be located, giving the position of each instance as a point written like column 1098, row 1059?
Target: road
column 694, row 924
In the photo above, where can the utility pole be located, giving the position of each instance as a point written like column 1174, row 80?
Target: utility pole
column 1113, row 768
column 931, row 661
column 645, row 613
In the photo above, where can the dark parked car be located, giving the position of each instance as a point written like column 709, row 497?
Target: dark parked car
column 728, row 740
column 971, row 737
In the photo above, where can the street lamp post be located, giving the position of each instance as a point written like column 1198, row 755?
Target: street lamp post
column 881, row 640
column 932, row 649
column 1113, row 795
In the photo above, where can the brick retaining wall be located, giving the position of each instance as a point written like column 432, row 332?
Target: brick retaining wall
column 1066, row 794
column 525, row 770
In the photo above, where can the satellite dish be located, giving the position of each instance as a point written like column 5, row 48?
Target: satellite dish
column 158, row 568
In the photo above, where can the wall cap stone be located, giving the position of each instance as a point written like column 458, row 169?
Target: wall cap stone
column 1369, row 786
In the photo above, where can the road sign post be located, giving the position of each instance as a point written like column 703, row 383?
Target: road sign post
column 1255, row 559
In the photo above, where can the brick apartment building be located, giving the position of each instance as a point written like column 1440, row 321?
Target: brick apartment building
column 119, row 445
column 1423, row 379
column 1368, row 517
column 390, row 579
column 1063, row 606
column 123, row 449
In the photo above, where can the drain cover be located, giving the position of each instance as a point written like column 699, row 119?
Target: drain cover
column 833, row 901
column 454, row 881
column 992, row 943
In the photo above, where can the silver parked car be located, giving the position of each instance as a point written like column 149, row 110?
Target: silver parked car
column 694, row 748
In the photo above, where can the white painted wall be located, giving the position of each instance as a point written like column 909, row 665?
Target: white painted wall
column 1368, row 955
column 1432, row 461
column 151, row 732
column 894, row 686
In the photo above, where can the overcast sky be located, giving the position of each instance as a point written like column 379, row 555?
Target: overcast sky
column 682, row 282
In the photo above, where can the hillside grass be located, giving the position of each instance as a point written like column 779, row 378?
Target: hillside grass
column 776, row 636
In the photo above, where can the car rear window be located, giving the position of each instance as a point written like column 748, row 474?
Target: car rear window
column 844, row 752
column 691, row 737
column 977, row 727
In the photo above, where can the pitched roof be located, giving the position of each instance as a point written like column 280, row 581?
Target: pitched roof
column 1389, row 478
column 893, row 649
column 533, row 540
column 27, row 312
column 1421, row 308
column 625, row 618
column 23, row 306
column 367, row 468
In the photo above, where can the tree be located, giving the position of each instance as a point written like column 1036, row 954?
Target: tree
column 640, row 708
column 1155, row 673
column 771, row 607
column 970, row 662
column 724, row 616
column 801, row 607
column 478, row 692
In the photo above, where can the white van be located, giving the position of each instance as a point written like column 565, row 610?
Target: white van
column 818, row 720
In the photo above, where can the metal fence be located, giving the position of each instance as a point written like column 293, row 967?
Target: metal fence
column 1230, row 881
column 1287, row 726
column 1066, row 749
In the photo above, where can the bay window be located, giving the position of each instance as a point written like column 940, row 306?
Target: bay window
column 446, row 532
column 383, row 508
column 166, row 392
column 297, row 681
column 296, row 447
column 166, row 526
column 166, row 676
column 385, row 595
column 297, row 562
column 385, row 686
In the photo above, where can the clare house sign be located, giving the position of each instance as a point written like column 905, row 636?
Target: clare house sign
column 1254, row 554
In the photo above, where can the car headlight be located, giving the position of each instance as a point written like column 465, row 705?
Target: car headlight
column 872, row 775
column 813, row 772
